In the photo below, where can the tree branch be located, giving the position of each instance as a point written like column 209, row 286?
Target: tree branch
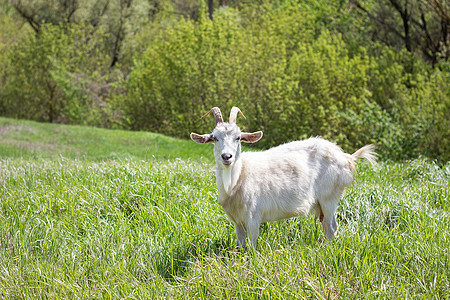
column 404, row 14
column 377, row 20
column 439, row 9
column 27, row 16
column 95, row 21
column 72, row 9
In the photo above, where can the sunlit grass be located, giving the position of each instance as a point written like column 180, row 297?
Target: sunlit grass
column 21, row 138
column 143, row 227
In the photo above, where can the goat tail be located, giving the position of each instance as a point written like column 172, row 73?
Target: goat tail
column 367, row 152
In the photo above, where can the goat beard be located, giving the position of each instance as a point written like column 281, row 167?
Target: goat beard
column 226, row 179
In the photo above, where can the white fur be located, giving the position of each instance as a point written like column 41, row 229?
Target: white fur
column 226, row 180
column 293, row 179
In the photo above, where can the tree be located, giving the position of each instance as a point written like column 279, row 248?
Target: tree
column 117, row 18
column 36, row 13
column 416, row 25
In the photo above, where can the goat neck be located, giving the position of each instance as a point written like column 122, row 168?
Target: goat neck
column 227, row 178
column 227, row 153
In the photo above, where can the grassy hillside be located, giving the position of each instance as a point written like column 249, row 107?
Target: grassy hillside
column 103, row 219
column 20, row 138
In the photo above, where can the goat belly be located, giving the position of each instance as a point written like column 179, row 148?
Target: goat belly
column 278, row 187
column 283, row 208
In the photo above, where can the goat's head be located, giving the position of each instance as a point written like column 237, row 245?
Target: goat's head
column 227, row 137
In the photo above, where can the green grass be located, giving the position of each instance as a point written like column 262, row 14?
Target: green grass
column 96, row 216
column 20, row 138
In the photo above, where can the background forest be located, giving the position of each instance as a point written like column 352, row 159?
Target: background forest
column 354, row 72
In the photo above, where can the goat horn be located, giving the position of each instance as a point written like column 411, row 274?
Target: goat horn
column 233, row 114
column 217, row 115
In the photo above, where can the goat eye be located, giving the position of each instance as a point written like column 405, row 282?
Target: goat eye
column 238, row 138
column 215, row 139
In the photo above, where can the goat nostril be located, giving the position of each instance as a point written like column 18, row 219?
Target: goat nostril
column 226, row 156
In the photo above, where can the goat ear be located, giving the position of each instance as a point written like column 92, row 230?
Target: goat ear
column 201, row 139
column 251, row 137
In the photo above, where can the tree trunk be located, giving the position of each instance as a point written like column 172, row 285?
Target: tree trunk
column 210, row 9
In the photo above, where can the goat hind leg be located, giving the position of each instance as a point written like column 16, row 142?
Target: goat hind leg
column 328, row 218
column 329, row 226
column 319, row 214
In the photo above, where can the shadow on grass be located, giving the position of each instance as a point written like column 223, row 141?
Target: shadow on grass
column 175, row 264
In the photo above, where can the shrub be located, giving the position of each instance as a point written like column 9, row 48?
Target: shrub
column 51, row 77
column 295, row 69
column 406, row 114
column 194, row 66
column 291, row 79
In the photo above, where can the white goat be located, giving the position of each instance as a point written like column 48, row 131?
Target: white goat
column 290, row 180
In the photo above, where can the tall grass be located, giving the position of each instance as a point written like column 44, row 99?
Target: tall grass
column 142, row 227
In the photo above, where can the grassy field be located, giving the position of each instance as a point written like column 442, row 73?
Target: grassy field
column 91, row 213
column 31, row 140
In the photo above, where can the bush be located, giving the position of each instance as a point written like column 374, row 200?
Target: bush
column 194, row 66
column 406, row 114
column 295, row 69
column 52, row 77
column 291, row 81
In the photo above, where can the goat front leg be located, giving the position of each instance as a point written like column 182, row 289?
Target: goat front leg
column 241, row 234
column 253, row 229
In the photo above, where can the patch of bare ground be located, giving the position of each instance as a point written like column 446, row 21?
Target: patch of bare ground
column 9, row 128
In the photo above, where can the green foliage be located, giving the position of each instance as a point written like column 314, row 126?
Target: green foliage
column 295, row 68
column 407, row 112
column 194, row 66
column 292, row 79
column 57, row 76
column 419, row 27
